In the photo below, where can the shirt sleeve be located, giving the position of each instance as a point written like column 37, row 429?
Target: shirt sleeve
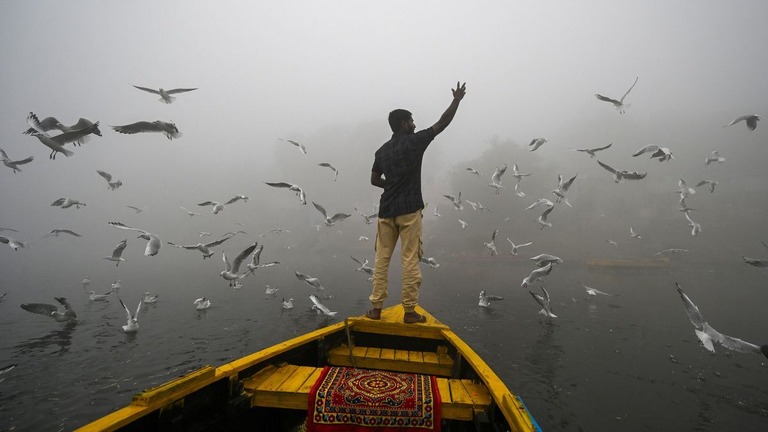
column 422, row 138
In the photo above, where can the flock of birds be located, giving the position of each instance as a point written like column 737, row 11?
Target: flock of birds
column 247, row 261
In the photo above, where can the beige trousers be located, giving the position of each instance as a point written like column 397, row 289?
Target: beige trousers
column 408, row 228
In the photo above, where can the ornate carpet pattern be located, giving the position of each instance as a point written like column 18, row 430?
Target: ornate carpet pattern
column 356, row 400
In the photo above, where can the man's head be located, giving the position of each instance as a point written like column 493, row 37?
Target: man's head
column 401, row 120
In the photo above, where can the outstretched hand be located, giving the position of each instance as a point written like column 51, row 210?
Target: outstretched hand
column 460, row 91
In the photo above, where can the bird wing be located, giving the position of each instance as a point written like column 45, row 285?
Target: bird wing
column 127, row 312
column 241, row 257
column 493, row 236
column 731, row 342
column 694, row 315
column 107, row 176
column 70, row 232
column 302, row 276
column 546, row 213
column 602, row 148
column 646, row 149
column 607, row 167
column 339, row 217
column 138, row 127
column 40, row 308
column 319, row 208
column 138, row 308
column 75, row 135
column 3, row 155
column 496, row 178
column 630, row 89
column 153, row 91
column 756, row 262
column 493, row 297
column 119, row 249
column 702, row 183
column 216, row 242
column 180, row 90
column 280, row 184
column 321, row 306
column 607, row 99
column 188, row 247
column 120, row 225
column 356, row 260
column 568, row 184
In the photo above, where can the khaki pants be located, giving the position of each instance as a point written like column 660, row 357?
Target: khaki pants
column 408, row 228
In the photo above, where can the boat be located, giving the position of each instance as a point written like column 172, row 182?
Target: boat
column 271, row 390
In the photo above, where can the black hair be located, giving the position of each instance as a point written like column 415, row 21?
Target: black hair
column 397, row 117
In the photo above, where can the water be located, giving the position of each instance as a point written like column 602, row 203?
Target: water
column 629, row 362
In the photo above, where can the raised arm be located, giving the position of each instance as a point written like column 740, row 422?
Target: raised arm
column 445, row 119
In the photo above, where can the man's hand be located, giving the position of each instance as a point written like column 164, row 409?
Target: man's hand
column 460, row 91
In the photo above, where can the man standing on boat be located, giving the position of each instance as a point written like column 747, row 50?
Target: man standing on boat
column 397, row 170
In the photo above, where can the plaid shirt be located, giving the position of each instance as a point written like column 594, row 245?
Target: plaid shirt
column 399, row 159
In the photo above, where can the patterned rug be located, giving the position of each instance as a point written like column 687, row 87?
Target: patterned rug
column 361, row 400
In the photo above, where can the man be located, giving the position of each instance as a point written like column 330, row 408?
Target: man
column 397, row 170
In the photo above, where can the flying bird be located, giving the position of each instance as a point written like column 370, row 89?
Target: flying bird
column 237, row 198
column 463, row 224
column 136, row 209
column 750, row 119
column 594, row 291
column 515, row 247
column 545, row 303
column 542, row 220
column 165, row 95
column 543, row 259
column 299, row 145
column 231, row 271
column 190, row 213
column 169, row 129
column 330, row 221
column 293, row 188
column 618, row 104
column 311, row 281
column 707, row 335
column 50, row 123
column 108, row 177
column 56, row 143
column 332, row 168
column 216, row 207
column 132, row 323
column 117, row 253
column 12, row 164
column 49, row 310
column 149, row 298
column 496, row 178
column 756, row 262
column 367, row 217
column 591, row 151
column 714, row 158
column 12, row 242
column 537, row 275
column 622, row 174
column 711, row 184
column 661, row 153
column 153, row 241
column 492, row 244
column 695, row 226
column 536, row 143
column 561, row 192
column 517, row 174
column 256, row 260
column 204, row 248
column 430, row 262
column 364, row 267
column 456, row 201
column 485, row 300
column 56, row 232
column 633, row 234
column 67, row 203
column 474, row 171
column 319, row 307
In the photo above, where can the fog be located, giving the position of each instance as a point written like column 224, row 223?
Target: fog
column 326, row 74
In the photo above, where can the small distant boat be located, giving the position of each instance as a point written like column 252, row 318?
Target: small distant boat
column 271, row 390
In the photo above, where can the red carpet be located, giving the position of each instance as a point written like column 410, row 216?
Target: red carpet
column 360, row 400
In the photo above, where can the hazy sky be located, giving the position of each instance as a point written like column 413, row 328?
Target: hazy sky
column 327, row 73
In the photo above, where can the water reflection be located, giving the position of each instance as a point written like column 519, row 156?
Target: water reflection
column 61, row 338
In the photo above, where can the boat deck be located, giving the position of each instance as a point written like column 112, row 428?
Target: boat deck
column 288, row 386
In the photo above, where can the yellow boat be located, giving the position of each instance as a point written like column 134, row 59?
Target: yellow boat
column 270, row 390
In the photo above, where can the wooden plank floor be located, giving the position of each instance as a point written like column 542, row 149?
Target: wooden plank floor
column 426, row 363
column 288, row 386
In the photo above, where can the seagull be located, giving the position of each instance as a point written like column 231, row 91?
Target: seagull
column 366, row 217
column 330, row 221
column 319, row 307
column 618, row 104
column 149, row 298
column 116, row 254
column 67, row 315
column 542, row 220
column 515, row 247
column 204, row 248
column 108, row 177
column 287, row 304
column 299, row 145
column 271, row 291
column 430, row 262
column 684, row 207
column 136, row 209
column 364, row 267
column 292, row 187
column 165, row 95
column 231, row 271
column 707, row 335
column 492, row 244
column 190, row 213
column 623, row 174
column 202, row 303
column 671, row 251
column 117, row 285
column 562, row 189
column 13, row 243
column 56, row 232
column 472, row 204
column 435, row 213
column 256, row 259
column 536, row 143
column 594, row 291
column 169, row 129
column 237, row 198
column 153, row 241
column 695, row 226
column 8, row 229
column 311, row 281
column 750, row 119
column 474, row 171
column 363, row 238
column 755, row 262
column 14, row 165
column 591, row 151
column 545, row 302
column 332, row 168
column 86, row 282
column 613, row 243
column 662, row 153
column 67, row 203
column 714, row 158
column 711, row 184
column 537, row 275
column 543, row 259
column 517, row 174
column 216, row 207
column 541, row 201
column 633, row 234
column 496, row 178
column 456, row 201
column 50, row 123
column 463, row 224
column 518, row 192
column 132, row 324
column 56, row 143
column 485, row 300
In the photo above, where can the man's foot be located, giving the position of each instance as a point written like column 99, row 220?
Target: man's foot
column 414, row 317
column 374, row 314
